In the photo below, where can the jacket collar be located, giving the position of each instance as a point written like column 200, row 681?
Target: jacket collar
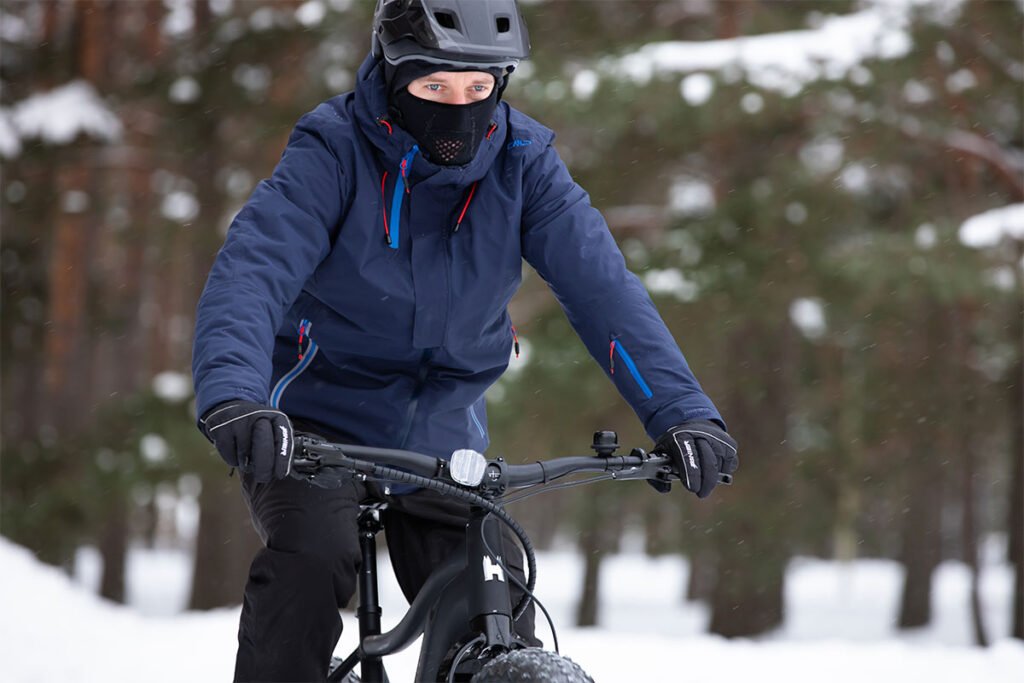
column 394, row 143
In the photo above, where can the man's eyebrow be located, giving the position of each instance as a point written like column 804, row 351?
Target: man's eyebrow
column 446, row 79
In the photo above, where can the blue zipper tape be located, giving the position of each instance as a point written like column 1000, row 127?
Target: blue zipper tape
column 476, row 421
column 282, row 384
column 396, row 199
column 396, row 213
column 633, row 369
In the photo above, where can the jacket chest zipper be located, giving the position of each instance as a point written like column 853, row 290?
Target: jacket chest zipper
column 393, row 224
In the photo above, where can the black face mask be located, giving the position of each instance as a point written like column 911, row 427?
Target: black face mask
column 448, row 134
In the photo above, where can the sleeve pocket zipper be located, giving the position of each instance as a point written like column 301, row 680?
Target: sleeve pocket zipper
column 616, row 345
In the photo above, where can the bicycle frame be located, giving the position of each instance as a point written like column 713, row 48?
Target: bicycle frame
column 458, row 624
column 453, row 621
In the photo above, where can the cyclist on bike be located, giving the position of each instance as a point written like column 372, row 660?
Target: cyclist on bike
column 361, row 293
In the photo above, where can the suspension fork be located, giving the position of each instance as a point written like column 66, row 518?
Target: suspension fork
column 474, row 613
column 491, row 601
column 369, row 611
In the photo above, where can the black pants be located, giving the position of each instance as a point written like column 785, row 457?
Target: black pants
column 307, row 570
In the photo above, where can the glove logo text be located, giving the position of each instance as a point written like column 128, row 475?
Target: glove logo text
column 689, row 454
column 285, row 441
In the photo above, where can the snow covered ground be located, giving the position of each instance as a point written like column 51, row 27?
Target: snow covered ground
column 838, row 628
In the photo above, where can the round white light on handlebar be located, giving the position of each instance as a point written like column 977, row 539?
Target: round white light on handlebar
column 467, row 467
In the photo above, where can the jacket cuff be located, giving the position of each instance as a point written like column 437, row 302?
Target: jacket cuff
column 675, row 414
column 208, row 397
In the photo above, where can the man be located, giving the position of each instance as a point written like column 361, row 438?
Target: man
column 362, row 294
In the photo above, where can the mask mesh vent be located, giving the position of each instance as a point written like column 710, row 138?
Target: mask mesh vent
column 446, row 149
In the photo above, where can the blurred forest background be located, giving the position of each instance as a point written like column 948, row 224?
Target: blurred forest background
column 802, row 237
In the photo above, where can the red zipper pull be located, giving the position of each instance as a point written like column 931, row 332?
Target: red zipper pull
column 465, row 207
column 302, row 331
column 611, row 357
column 515, row 341
column 384, row 208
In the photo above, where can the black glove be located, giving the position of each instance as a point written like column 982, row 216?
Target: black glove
column 254, row 438
column 700, row 451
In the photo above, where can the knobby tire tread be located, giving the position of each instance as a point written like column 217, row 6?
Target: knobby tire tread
column 532, row 664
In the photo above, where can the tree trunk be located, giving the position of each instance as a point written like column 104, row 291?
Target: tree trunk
column 847, row 386
column 586, row 609
column 921, row 357
column 539, row 516
column 225, row 544
column 593, row 532
column 752, row 555
column 695, row 544
column 1015, row 404
column 68, row 283
column 114, row 550
column 700, row 583
column 921, row 541
column 1017, row 535
column 964, row 421
column 753, row 519
column 970, row 542
column 747, row 599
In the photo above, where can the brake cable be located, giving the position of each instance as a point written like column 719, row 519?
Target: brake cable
column 516, row 581
column 543, row 488
column 401, row 476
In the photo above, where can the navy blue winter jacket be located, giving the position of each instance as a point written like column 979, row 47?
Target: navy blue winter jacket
column 365, row 289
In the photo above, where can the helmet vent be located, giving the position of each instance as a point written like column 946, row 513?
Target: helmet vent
column 445, row 19
column 503, row 24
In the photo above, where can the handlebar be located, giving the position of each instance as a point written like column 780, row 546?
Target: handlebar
column 468, row 475
column 636, row 465
column 470, row 470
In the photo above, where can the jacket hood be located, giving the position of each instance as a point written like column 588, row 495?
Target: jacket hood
column 393, row 142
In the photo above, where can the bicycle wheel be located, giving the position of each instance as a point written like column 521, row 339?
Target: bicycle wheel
column 350, row 677
column 531, row 664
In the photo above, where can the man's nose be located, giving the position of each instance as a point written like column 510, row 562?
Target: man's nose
column 459, row 98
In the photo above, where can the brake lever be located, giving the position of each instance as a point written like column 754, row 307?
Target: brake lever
column 723, row 478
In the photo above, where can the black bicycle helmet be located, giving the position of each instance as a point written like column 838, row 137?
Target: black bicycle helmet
column 463, row 33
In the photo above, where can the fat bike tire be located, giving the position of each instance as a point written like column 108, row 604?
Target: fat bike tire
column 531, row 664
column 350, row 677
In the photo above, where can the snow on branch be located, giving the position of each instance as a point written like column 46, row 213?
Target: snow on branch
column 786, row 61
column 57, row 117
column 10, row 141
column 989, row 228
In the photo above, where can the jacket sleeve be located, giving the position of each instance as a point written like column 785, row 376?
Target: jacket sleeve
column 273, row 246
column 568, row 243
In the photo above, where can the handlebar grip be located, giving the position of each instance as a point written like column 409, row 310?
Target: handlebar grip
column 723, row 478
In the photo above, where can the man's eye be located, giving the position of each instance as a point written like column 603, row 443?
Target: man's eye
column 435, row 87
column 480, row 88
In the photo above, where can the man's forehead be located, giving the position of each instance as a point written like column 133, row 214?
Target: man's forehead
column 473, row 76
